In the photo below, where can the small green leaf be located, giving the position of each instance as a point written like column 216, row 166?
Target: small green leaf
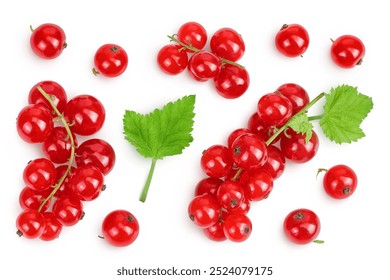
column 344, row 111
column 300, row 123
column 163, row 132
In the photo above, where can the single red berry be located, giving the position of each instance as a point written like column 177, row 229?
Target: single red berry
column 232, row 81
column 192, row 34
column 302, row 226
column 227, row 43
column 48, row 40
column 292, row 40
column 204, row 210
column 237, row 227
column 34, row 123
column 216, row 161
column 347, row 51
column 54, row 90
column 230, row 195
column 172, row 59
column 340, row 181
column 110, row 60
column 120, row 228
column 249, row 151
column 30, row 223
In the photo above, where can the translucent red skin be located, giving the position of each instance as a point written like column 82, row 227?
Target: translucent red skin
column 302, row 226
column 294, row 146
column 97, row 152
column 120, row 228
column 85, row 113
column 172, row 60
column 292, row 40
column 48, row 40
column 110, row 60
column 340, row 181
column 347, row 51
column 193, row 34
column 227, row 43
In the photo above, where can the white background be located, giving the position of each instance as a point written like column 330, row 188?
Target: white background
column 355, row 230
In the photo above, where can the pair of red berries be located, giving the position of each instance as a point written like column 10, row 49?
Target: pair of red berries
column 48, row 41
column 218, row 64
column 346, row 51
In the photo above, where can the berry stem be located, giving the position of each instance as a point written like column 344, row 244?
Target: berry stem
column 303, row 111
column 173, row 38
column 145, row 190
column 72, row 151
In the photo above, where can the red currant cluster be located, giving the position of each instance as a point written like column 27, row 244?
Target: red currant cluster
column 231, row 80
column 68, row 173
column 347, row 51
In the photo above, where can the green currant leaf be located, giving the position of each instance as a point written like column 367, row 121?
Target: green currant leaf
column 163, row 132
column 300, row 123
column 344, row 110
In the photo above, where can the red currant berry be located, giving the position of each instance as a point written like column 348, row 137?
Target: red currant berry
column 192, row 34
column 48, row 40
column 249, row 150
column 68, row 210
column 96, row 152
column 207, row 185
column 295, row 148
column 204, row 210
column 85, row 113
column 34, row 123
column 30, row 223
column 340, row 181
column 40, row 174
column 296, row 94
column 204, row 65
column 347, row 51
column 120, row 228
column 86, row 182
column 232, row 81
column 274, row 109
column 32, row 199
column 172, row 59
column 216, row 161
column 57, row 147
column 302, row 226
column 54, row 90
column 257, row 184
column 230, row 195
column 110, row 60
column 292, row 40
column 237, row 227
column 227, row 43
column 53, row 227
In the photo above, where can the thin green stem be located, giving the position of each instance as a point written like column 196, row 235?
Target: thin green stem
column 148, row 181
column 317, row 117
column 286, row 125
column 72, row 151
column 173, row 38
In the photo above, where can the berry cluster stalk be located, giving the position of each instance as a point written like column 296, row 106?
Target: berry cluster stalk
column 72, row 151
